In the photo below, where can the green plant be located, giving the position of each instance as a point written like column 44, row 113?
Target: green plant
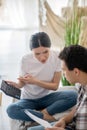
column 64, row 81
column 73, row 27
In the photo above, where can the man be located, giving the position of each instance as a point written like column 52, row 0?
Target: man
column 74, row 66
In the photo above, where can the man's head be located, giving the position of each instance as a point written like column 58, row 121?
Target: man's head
column 40, row 45
column 74, row 61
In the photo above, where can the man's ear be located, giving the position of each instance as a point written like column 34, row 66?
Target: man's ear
column 76, row 71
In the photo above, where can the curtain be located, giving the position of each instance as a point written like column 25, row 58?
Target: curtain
column 19, row 14
column 83, row 34
column 55, row 27
column 18, row 21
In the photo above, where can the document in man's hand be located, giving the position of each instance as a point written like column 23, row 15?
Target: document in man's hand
column 38, row 120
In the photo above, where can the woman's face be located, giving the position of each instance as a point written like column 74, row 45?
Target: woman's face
column 41, row 53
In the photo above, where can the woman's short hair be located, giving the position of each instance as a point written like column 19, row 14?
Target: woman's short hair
column 40, row 39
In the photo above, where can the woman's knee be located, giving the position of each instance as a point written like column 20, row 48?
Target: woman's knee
column 72, row 97
column 11, row 110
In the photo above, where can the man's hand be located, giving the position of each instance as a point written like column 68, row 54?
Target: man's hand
column 60, row 123
column 55, row 128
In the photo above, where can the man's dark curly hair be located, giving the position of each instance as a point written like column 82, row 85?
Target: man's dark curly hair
column 75, row 56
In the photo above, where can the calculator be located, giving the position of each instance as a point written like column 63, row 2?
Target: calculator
column 10, row 90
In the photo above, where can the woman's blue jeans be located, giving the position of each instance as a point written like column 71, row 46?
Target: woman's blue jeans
column 54, row 103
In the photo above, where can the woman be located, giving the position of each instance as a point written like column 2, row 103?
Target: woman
column 40, row 77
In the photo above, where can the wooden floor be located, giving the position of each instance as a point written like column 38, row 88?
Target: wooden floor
column 4, row 119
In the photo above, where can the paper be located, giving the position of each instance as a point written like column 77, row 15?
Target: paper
column 38, row 120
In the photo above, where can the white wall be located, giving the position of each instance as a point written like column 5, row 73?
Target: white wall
column 18, row 21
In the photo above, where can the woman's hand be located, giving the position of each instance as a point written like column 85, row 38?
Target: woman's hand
column 27, row 79
column 13, row 84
